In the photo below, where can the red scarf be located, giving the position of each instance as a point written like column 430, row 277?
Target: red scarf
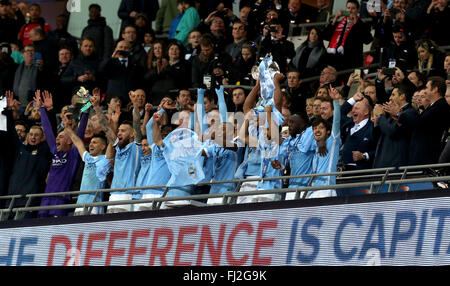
column 339, row 32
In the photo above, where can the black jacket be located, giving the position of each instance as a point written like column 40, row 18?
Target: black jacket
column 78, row 67
column 393, row 143
column 428, row 128
column 102, row 35
column 353, row 46
column 30, row 167
column 363, row 140
column 172, row 77
column 120, row 79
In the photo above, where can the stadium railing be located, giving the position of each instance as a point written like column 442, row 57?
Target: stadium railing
column 373, row 179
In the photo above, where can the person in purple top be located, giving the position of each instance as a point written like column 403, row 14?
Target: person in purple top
column 65, row 159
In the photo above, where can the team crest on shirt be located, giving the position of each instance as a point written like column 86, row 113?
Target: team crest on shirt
column 192, row 171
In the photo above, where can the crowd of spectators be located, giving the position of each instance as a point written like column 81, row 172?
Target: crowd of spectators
column 150, row 82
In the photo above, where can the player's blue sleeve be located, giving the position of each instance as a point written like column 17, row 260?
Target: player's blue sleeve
column 149, row 128
column 336, row 118
column 222, row 104
column 201, row 113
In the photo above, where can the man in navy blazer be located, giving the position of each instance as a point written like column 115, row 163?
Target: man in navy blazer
column 394, row 139
column 429, row 126
column 358, row 148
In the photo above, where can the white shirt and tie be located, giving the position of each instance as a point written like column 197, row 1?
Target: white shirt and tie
column 358, row 126
column 123, row 62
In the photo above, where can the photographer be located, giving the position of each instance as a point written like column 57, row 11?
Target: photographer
column 273, row 42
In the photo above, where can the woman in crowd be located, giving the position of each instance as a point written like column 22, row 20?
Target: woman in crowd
column 310, row 55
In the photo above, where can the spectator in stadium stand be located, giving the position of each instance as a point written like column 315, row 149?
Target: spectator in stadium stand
column 44, row 48
column 316, row 106
column 393, row 143
column 438, row 19
column 358, row 139
column 62, row 94
column 98, row 30
column 209, row 65
column 137, row 53
column 31, row 160
column 128, row 10
column 141, row 24
column 274, row 42
column 400, row 51
column 7, row 68
column 60, row 37
column 188, row 22
column 309, row 108
column 326, row 109
column 167, row 73
column 121, row 73
column 22, row 130
column 430, row 58
column 347, row 37
column 428, row 126
column 239, row 34
column 215, row 25
column 324, row 10
column 310, row 55
column 328, row 77
column 414, row 17
column 183, row 100
column 238, row 100
column 28, row 77
column 417, row 78
column 242, row 67
column 193, row 48
column 83, row 70
column 385, row 81
column 96, row 167
column 325, row 160
column 261, row 13
column 165, row 15
column 65, row 158
column 34, row 20
column 9, row 26
column 137, row 105
column 296, row 13
column 294, row 90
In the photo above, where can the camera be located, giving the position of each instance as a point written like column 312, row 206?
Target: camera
column 389, row 71
column 124, row 53
column 273, row 29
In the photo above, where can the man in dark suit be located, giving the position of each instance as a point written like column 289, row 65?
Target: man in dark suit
column 358, row 142
column 121, row 72
column 393, row 143
column 429, row 126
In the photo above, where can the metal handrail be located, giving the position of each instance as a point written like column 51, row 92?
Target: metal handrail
column 232, row 194
column 237, row 193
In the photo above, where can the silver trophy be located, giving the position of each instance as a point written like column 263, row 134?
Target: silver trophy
column 273, row 67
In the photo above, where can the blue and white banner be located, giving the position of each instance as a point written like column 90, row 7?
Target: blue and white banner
column 403, row 232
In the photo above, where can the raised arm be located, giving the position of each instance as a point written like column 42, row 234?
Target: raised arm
column 335, row 95
column 157, row 137
column 77, row 142
column 250, row 101
column 277, row 96
column 46, row 125
column 95, row 100
column 222, row 104
column 200, row 112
